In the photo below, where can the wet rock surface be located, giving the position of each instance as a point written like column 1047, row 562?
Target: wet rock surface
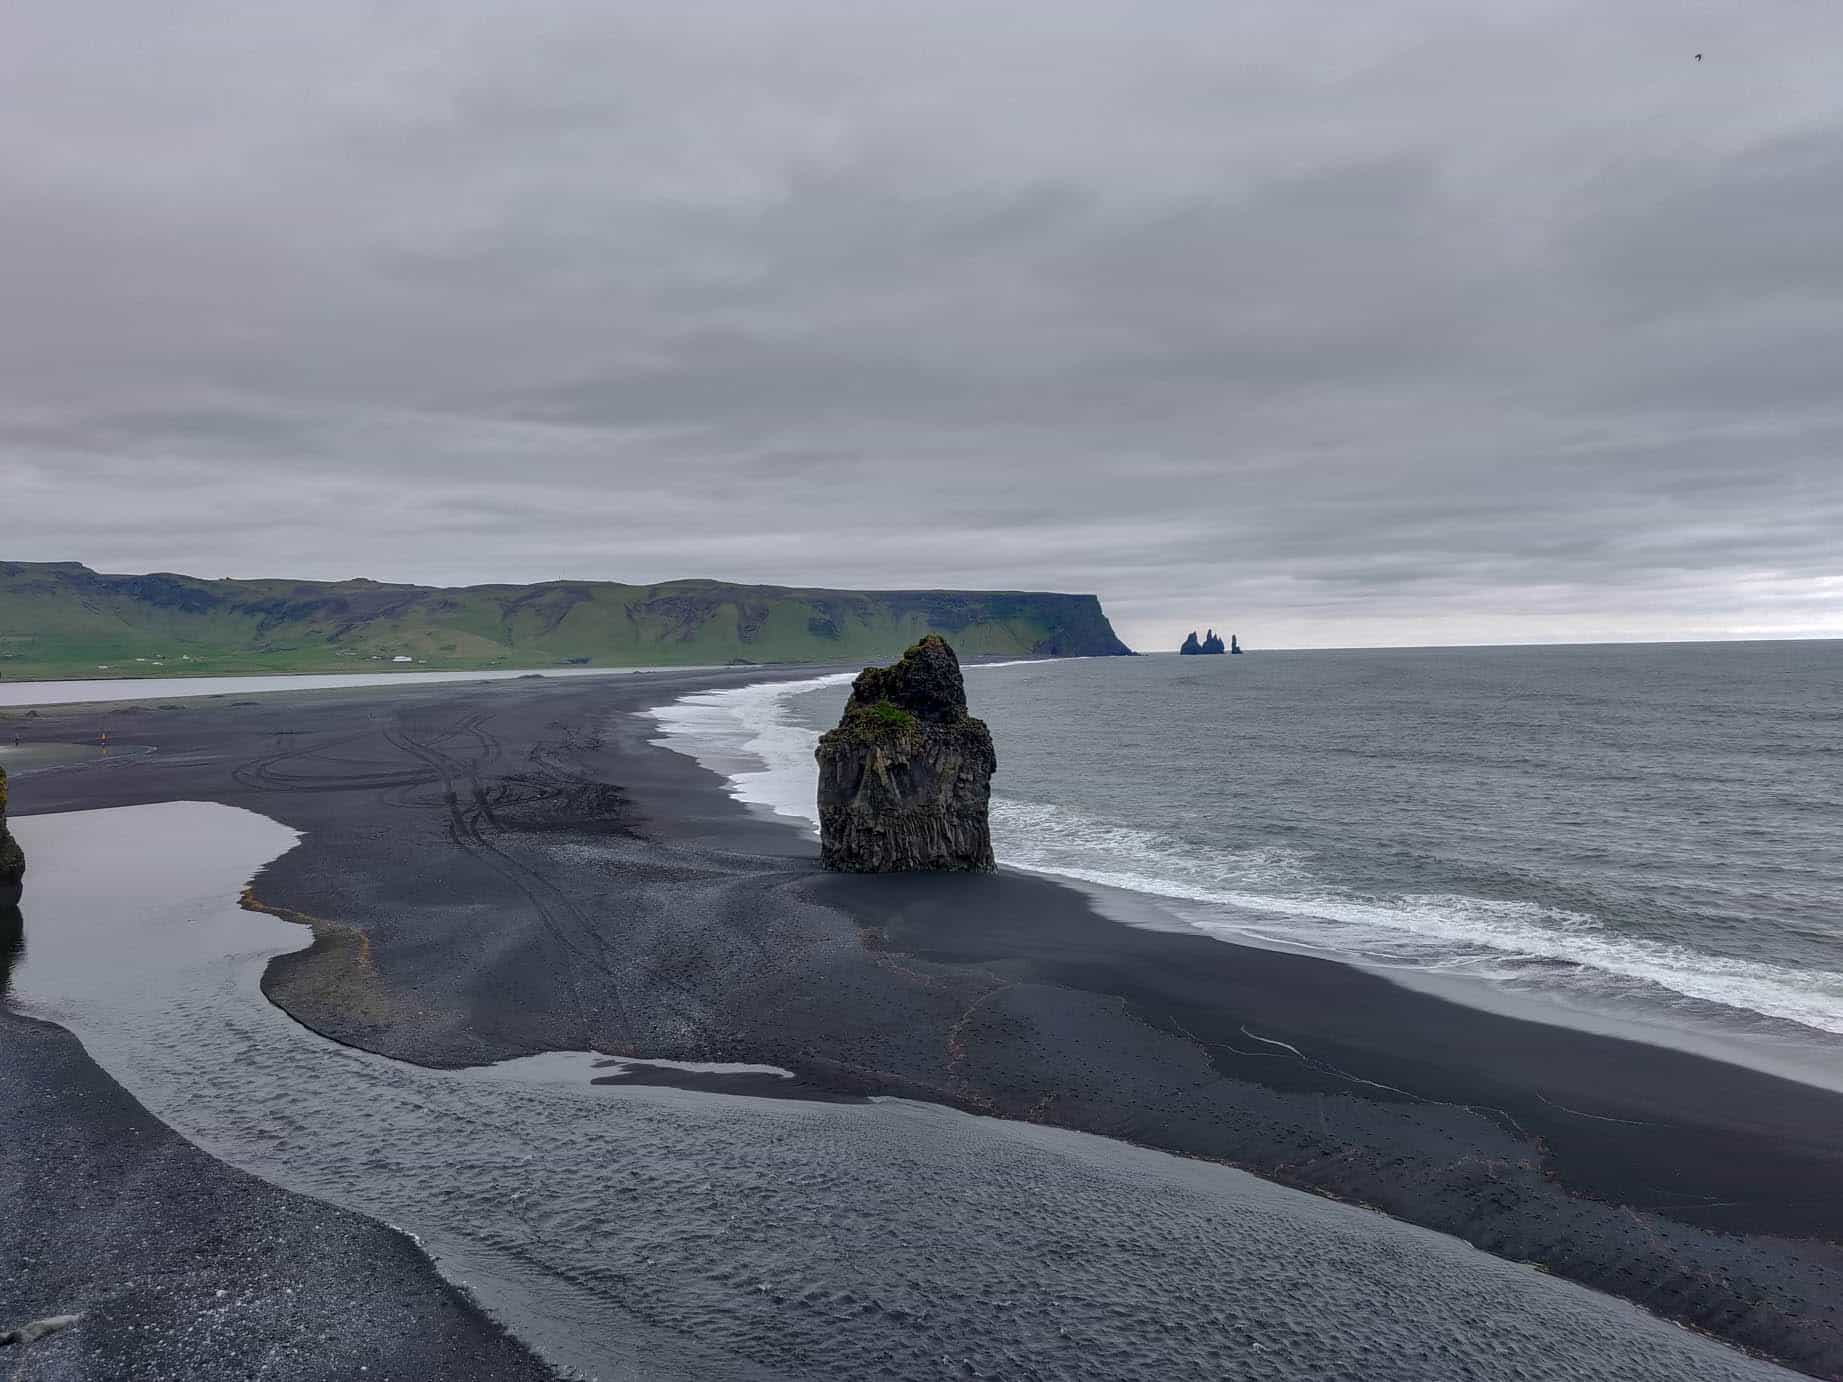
column 905, row 780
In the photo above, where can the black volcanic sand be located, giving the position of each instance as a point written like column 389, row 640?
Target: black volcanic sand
column 498, row 869
column 182, row 1267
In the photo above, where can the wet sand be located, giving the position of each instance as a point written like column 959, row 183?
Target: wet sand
column 496, row 870
column 182, row 1267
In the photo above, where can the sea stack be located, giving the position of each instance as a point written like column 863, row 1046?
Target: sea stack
column 905, row 780
column 12, row 857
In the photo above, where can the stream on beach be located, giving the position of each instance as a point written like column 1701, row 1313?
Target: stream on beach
column 636, row 1231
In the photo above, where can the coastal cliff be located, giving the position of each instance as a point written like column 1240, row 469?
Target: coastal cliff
column 12, row 857
column 905, row 780
column 61, row 619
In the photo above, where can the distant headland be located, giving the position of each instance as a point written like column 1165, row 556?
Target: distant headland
column 1212, row 643
column 61, row 619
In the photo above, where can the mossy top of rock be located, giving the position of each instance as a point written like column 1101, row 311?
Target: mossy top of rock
column 926, row 684
column 881, row 722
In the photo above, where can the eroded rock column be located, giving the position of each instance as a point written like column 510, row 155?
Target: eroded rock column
column 905, row 781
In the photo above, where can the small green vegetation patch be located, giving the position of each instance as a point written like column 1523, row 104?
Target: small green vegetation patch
column 891, row 714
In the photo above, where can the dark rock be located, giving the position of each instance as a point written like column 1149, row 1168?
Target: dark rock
column 1211, row 644
column 12, row 943
column 906, row 779
column 12, row 857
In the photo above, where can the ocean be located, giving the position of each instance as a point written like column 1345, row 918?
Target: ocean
column 1644, row 834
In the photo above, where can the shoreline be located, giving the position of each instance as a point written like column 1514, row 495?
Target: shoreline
column 182, row 1265
column 1701, row 1190
column 1752, row 1038
column 1774, row 1056
column 181, row 688
column 167, row 684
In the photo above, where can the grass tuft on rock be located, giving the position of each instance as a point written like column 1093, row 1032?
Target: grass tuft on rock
column 891, row 714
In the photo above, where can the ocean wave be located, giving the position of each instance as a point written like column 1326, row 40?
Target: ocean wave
column 746, row 734
column 1267, row 894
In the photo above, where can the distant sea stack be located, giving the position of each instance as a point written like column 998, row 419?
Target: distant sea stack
column 905, row 780
column 1211, row 644
column 12, row 857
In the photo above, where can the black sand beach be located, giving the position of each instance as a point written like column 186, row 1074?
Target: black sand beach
column 180, row 1266
column 499, row 869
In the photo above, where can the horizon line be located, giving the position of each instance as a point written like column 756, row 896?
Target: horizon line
column 1536, row 643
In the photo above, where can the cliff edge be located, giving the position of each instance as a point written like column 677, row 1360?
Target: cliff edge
column 61, row 619
column 905, row 780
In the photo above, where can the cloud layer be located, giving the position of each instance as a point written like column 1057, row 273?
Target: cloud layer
column 1413, row 323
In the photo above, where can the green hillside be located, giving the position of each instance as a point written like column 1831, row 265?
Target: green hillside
column 61, row 619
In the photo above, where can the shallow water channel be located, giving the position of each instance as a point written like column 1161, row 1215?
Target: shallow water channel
column 631, row 1231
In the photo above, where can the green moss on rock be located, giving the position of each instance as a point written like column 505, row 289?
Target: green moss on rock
column 887, row 713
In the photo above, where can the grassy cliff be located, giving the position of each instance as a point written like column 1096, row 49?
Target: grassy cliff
column 61, row 619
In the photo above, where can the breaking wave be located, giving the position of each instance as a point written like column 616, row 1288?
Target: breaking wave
column 1269, row 895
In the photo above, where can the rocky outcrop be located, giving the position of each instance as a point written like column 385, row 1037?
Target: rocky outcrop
column 1211, row 644
column 12, row 858
column 12, row 942
column 905, row 780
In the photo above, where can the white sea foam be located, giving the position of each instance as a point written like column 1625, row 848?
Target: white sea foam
column 1269, row 894
column 746, row 734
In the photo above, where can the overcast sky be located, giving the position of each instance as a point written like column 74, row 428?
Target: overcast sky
column 1331, row 324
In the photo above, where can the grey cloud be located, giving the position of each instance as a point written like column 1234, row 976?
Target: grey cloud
column 1441, row 323
column 1676, row 238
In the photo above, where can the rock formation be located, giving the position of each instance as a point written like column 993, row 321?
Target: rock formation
column 12, row 858
column 12, row 942
column 906, row 778
column 1211, row 644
